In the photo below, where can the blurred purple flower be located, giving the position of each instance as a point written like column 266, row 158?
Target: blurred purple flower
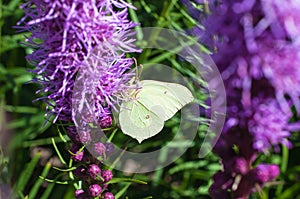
column 268, row 126
column 256, row 48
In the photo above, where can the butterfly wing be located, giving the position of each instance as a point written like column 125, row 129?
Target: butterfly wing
column 154, row 103
column 138, row 122
column 162, row 98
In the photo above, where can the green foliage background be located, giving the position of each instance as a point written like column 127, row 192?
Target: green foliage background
column 31, row 148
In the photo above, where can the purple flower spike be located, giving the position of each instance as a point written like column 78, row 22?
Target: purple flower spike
column 256, row 47
column 108, row 195
column 107, row 175
column 95, row 190
column 64, row 35
column 79, row 50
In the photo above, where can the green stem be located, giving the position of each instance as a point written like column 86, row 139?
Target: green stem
column 283, row 167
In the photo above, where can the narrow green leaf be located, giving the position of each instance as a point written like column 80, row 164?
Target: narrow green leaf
column 50, row 187
column 118, row 180
column 26, row 174
column 48, row 191
column 134, row 17
column 187, row 166
column 122, row 191
column 65, row 170
column 291, row 192
column 21, row 109
column 34, row 190
column 61, row 136
column 112, row 135
column 283, row 167
column 58, row 152
column 54, row 181
column 44, row 141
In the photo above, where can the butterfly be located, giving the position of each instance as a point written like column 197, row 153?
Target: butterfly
column 150, row 106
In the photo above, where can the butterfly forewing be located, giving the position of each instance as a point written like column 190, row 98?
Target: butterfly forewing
column 164, row 99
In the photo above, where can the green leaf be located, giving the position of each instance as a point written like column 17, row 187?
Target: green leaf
column 54, row 181
column 65, row 170
column 118, row 180
column 188, row 166
column 21, row 109
column 134, row 17
column 50, row 187
column 44, row 141
column 26, row 174
column 122, row 191
column 34, row 190
column 291, row 192
column 58, row 152
column 10, row 42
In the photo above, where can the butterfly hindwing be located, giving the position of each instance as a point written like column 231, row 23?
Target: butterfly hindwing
column 138, row 122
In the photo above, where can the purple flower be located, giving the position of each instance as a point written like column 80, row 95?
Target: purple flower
column 105, row 121
column 265, row 172
column 85, row 137
column 107, row 175
column 268, row 125
column 78, row 153
column 108, row 195
column 109, row 148
column 67, row 33
column 256, row 48
column 94, row 171
column 79, row 193
column 280, row 66
column 95, row 190
column 79, row 54
column 283, row 18
column 99, row 149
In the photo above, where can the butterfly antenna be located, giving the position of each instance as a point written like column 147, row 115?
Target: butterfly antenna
column 136, row 68
column 141, row 69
